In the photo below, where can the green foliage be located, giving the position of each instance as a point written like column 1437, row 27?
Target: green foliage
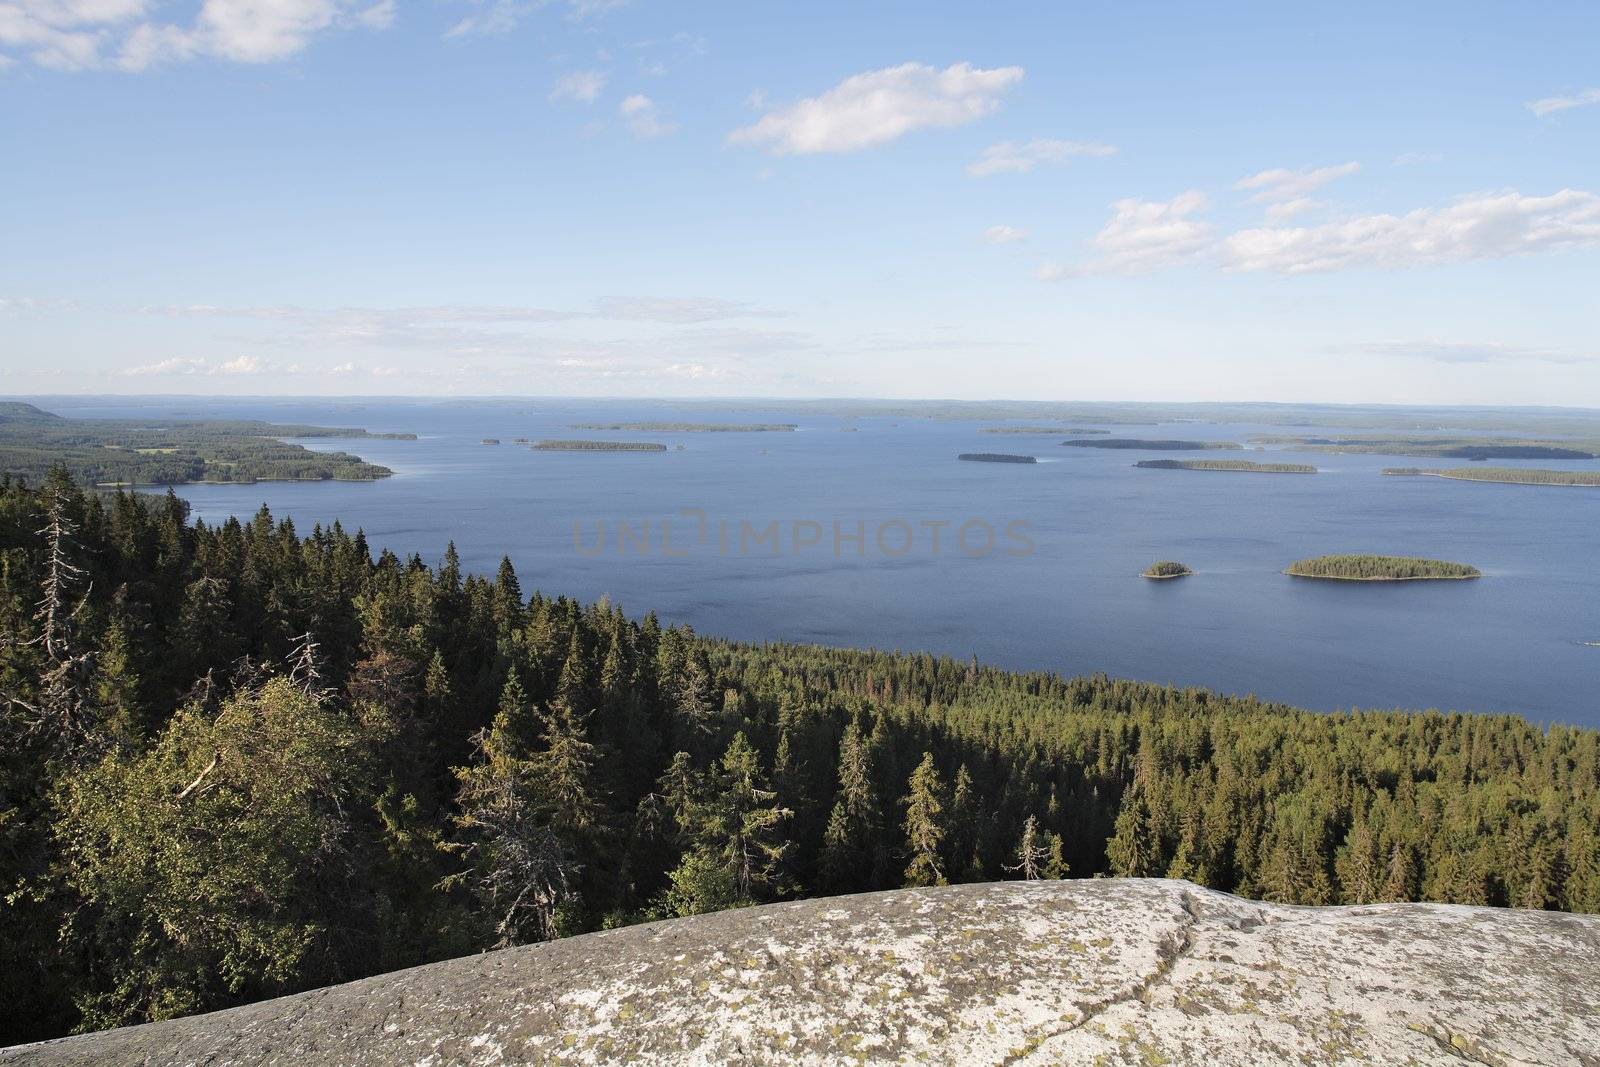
column 1167, row 568
column 196, row 859
column 925, row 824
column 448, row 764
column 1379, row 568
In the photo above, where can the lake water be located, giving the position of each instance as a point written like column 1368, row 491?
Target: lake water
column 1512, row 641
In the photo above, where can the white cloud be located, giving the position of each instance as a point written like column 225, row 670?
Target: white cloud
column 879, row 106
column 1551, row 104
column 1481, row 226
column 1288, row 192
column 1290, row 208
column 583, row 86
column 1144, row 235
column 1003, row 235
column 1458, row 352
column 1020, row 157
column 240, row 365
column 643, row 117
column 84, row 34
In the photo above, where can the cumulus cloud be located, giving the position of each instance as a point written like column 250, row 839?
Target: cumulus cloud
column 85, row 34
column 1458, row 352
column 643, row 118
column 879, row 106
column 583, row 86
column 1144, row 235
column 1552, row 104
column 1482, row 226
column 1003, row 235
column 1020, row 157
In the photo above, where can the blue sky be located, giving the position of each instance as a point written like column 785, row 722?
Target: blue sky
column 1388, row 203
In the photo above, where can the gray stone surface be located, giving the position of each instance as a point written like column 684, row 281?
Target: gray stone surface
column 1107, row 972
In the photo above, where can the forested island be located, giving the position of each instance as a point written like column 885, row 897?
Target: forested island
column 597, row 446
column 137, row 452
column 1473, row 448
column 1166, row 568
column 1225, row 465
column 241, row 760
column 996, row 457
column 1061, row 431
column 1152, row 446
column 691, row 427
column 1363, row 568
column 1508, row 475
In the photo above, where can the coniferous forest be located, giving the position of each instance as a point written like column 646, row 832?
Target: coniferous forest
column 244, row 760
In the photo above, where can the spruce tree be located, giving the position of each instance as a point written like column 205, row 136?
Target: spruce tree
column 925, row 827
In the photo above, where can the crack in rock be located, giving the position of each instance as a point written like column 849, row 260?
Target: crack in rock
column 1169, row 951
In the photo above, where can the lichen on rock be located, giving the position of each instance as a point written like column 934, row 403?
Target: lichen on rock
column 1117, row 971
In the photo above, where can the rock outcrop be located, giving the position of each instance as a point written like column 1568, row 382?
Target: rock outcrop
column 1093, row 972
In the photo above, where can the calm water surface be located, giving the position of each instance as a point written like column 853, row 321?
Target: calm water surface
column 1512, row 641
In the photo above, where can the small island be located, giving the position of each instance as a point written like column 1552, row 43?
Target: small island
column 1504, row 475
column 691, row 427
column 597, row 446
column 995, row 457
column 1166, row 568
column 1365, row 568
column 1225, row 465
column 1152, row 446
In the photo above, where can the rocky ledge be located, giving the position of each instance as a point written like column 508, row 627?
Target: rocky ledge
column 1092, row 972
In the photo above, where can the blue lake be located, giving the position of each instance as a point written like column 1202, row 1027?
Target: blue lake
column 1059, row 592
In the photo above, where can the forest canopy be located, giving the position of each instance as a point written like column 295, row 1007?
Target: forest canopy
column 241, row 760
column 1365, row 568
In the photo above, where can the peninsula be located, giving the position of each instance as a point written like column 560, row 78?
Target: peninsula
column 1225, row 465
column 1365, row 568
column 164, row 452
